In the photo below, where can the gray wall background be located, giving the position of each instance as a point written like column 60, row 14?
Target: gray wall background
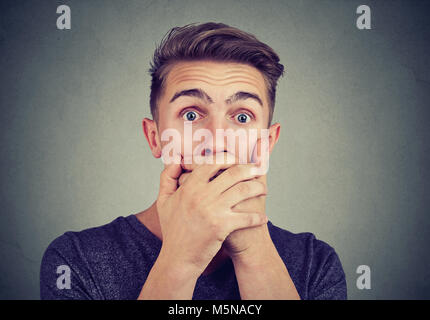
column 351, row 166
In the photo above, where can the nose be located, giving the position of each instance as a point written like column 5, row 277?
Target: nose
column 218, row 145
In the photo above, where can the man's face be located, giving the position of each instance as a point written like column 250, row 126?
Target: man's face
column 213, row 95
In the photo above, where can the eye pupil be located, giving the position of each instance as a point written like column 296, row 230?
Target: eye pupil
column 191, row 116
column 242, row 117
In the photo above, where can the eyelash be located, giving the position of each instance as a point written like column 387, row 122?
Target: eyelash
column 248, row 113
column 183, row 112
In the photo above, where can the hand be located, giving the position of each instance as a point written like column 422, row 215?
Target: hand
column 196, row 217
column 241, row 240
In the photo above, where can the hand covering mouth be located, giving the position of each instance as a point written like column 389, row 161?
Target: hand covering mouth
column 210, row 179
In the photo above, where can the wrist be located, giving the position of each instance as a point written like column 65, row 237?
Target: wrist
column 168, row 280
column 176, row 268
column 258, row 255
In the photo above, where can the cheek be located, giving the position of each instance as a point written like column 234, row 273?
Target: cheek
column 170, row 138
column 244, row 149
column 188, row 147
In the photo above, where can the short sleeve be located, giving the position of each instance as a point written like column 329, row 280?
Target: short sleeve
column 328, row 281
column 63, row 275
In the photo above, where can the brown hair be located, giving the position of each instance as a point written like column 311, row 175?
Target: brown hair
column 213, row 41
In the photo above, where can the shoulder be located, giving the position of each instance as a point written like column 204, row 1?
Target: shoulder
column 100, row 238
column 312, row 263
column 304, row 243
column 79, row 252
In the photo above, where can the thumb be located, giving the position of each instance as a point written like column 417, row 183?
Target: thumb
column 169, row 179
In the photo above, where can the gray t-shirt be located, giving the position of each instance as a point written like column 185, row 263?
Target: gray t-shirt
column 113, row 261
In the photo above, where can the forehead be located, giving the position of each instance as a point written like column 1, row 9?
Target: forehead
column 226, row 76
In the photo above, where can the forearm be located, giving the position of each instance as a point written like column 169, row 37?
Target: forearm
column 168, row 281
column 261, row 274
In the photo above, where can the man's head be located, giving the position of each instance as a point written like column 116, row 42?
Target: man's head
column 213, row 41
column 215, row 76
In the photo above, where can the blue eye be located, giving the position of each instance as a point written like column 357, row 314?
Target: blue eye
column 243, row 118
column 190, row 116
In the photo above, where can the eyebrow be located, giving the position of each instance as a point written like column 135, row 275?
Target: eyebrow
column 200, row 94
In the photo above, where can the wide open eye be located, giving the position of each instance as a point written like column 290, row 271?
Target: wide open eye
column 190, row 116
column 243, row 117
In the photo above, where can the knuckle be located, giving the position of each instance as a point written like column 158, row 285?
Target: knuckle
column 257, row 187
column 217, row 229
column 250, row 171
column 252, row 219
column 243, row 188
column 214, row 226
column 262, row 187
column 233, row 172
column 189, row 196
column 194, row 201
column 242, row 169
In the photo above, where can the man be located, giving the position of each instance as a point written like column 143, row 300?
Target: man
column 207, row 235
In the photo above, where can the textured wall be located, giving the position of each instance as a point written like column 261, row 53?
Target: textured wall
column 351, row 166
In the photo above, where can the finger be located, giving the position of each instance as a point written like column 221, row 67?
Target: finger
column 243, row 220
column 232, row 176
column 169, row 179
column 183, row 178
column 242, row 191
column 208, row 167
column 255, row 204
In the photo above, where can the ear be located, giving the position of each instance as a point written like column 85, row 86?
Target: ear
column 151, row 134
column 274, row 131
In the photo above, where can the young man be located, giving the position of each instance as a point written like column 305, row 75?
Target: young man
column 207, row 235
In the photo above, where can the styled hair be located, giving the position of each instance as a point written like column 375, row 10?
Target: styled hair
column 212, row 41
